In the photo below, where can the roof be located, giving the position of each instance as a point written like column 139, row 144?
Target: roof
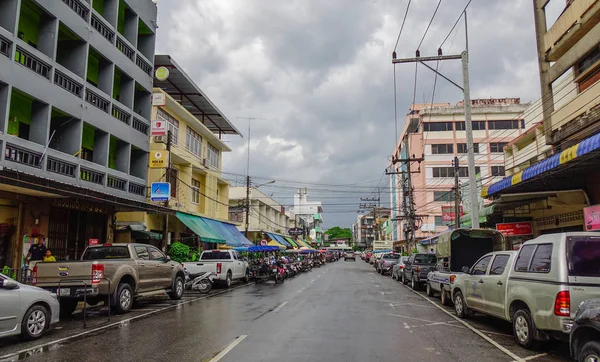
column 181, row 87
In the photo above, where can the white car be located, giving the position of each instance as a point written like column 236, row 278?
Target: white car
column 26, row 310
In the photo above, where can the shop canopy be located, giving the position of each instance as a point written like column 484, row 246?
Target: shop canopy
column 279, row 239
column 302, row 243
column 258, row 248
column 274, row 243
column 204, row 231
column 238, row 234
column 291, row 241
column 219, row 227
column 465, row 220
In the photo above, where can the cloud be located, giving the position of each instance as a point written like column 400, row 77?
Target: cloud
column 317, row 76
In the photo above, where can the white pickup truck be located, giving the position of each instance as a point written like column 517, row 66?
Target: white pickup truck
column 227, row 265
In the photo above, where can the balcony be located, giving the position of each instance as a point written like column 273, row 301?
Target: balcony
column 115, row 183
column 102, row 29
column 20, row 155
column 576, row 21
column 125, row 49
column 137, row 189
column 34, row 64
column 121, row 115
column 78, row 8
column 91, row 176
column 96, row 100
column 143, row 65
column 140, row 126
column 60, row 167
column 4, row 47
column 67, row 83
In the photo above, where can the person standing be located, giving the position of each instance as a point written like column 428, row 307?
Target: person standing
column 36, row 251
column 48, row 257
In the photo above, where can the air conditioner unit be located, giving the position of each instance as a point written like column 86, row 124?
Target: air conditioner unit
column 205, row 162
column 160, row 139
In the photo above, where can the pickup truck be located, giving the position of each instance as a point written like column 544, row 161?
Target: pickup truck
column 227, row 265
column 455, row 249
column 416, row 269
column 121, row 272
column 537, row 288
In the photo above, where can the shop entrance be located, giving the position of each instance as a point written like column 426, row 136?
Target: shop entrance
column 70, row 231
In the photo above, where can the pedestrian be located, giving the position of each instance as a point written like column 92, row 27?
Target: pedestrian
column 36, row 251
column 49, row 258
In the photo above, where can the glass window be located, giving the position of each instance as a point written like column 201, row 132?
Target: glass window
column 510, row 124
column 443, row 172
column 443, row 196
column 425, row 259
column 213, row 156
column 216, row 255
column 142, row 252
column 499, row 264
column 444, row 148
column 437, row 126
column 172, row 124
column 542, row 259
column 106, row 252
column 477, row 126
column 583, row 255
column 439, row 221
column 195, row 191
column 498, row 171
column 156, row 254
column 480, row 268
column 497, row 147
column 464, row 171
column 460, row 126
column 462, row 148
column 522, row 264
column 193, row 142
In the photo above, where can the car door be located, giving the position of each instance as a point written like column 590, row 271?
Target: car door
column 474, row 283
column 494, row 285
column 164, row 269
column 145, row 269
column 10, row 309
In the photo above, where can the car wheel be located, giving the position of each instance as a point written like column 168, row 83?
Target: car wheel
column 228, row 279
column 414, row 284
column 460, row 307
column 523, row 329
column 430, row 292
column 124, row 299
column 445, row 297
column 393, row 276
column 177, row 289
column 590, row 352
column 67, row 306
column 403, row 279
column 35, row 322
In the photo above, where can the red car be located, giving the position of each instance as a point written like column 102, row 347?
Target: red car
column 368, row 256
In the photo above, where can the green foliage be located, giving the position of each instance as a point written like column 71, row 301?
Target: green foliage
column 179, row 252
column 337, row 232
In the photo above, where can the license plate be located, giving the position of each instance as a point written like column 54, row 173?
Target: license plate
column 64, row 291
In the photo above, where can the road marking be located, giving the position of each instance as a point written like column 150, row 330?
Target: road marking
column 473, row 329
column 382, row 293
column 276, row 310
column 533, row 357
column 301, row 290
column 312, row 281
column 406, row 326
column 393, row 306
column 228, row 349
column 417, row 319
column 376, row 286
column 116, row 324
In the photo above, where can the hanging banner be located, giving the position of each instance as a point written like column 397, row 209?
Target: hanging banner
column 158, row 159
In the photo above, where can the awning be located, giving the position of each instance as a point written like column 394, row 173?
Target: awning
column 465, row 220
column 145, row 235
column 318, row 229
column 317, row 217
column 279, row 239
column 291, row 241
column 219, row 227
column 274, row 243
column 200, row 228
column 302, row 243
column 238, row 234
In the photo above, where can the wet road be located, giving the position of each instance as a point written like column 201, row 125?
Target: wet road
column 341, row 312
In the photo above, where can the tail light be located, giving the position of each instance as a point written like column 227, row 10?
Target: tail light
column 219, row 268
column 452, row 278
column 34, row 277
column 562, row 304
column 418, row 269
column 402, row 267
column 97, row 273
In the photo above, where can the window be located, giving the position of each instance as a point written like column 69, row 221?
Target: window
column 439, row 221
column 477, row 126
column 213, row 156
column 462, row 148
column 142, row 252
column 172, row 124
column 439, row 149
column 583, row 257
column 511, row 124
column 481, row 267
column 195, row 191
column 497, row 147
column 541, row 259
column 499, row 264
column 464, row 171
column 425, row 259
column 522, row 264
column 173, row 176
column 588, row 60
column 437, row 126
column 193, row 141
column 443, row 196
column 156, row 254
column 215, row 255
column 443, row 172
column 498, row 171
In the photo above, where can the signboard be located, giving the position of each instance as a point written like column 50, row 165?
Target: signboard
column 448, row 213
column 93, row 242
column 160, row 191
column 383, row 244
column 162, row 73
column 263, row 242
column 158, row 127
column 515, row 228
column 159, row 99
column 591, row 215
column 296, row 231
column 158, row 159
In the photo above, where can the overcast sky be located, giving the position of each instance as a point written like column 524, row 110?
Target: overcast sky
column 317, row 75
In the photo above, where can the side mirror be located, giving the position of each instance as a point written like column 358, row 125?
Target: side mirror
column 466, row 269
column 168, row 259
column 9, row 284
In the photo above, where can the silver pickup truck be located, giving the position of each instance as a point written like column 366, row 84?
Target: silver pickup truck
column 121, row 272
column 227, row 265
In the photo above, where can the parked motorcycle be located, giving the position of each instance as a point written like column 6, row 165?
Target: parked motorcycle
column 202, row 282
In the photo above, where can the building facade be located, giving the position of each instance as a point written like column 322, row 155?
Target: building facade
column 309, row 216
column 75, row 89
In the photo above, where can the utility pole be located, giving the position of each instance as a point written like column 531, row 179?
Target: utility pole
column 464, row 57
column 456, row 195
column 165, row 231
column 247, row 206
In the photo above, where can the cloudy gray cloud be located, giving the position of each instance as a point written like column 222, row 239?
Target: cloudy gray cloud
column 318, row 76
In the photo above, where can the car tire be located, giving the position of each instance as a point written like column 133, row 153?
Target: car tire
column 228, row 279
column 524, row 329
column 430, row 292
column 123, row 298
column 393, row 276
column 67, row 306
column 177, row 289
column 403, row 279
column 589, row 352
column 414, row 284
column 247, row 276
column 460, row 307
column 445, row 297
column 35, row 322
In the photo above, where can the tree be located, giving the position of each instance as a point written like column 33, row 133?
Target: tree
column 337, row 232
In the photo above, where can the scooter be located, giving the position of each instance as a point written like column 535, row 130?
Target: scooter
column 202, row 282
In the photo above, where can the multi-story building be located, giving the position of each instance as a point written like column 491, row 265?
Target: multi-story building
column 364, row 230
column 266, row 214
column 75, row 90
column 435, row 135
column 309, row 216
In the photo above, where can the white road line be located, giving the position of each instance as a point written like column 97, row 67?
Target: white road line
column 473, row 329
column 376, row 286
column 382, row 293
column 533, row 357
column 301, row 290
column 276, row 310
column 312, row 281
column 393, row 306
column 228, row 349
column 417, row 319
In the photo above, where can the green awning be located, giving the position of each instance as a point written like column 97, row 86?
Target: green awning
column 465, row 220
column 206, row 233
column 145, row 235
column 317, row 217
column 318, row 229
column 291, row 241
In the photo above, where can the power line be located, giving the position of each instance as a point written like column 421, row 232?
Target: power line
column 402, row 26
column 430, row 21
column 455, row 24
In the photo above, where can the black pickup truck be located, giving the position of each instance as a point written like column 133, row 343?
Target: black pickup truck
column 416, row 269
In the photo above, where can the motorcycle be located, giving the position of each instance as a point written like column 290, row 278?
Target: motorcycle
column 202, row 282
column 278, row 272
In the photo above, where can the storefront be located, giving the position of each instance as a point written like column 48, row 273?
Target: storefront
column 516, row 233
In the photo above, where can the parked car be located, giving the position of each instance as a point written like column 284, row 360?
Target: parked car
column 228, row 265
column 26, row 310
column 349, row 255
column 121, row 272
column 398, row 268
column 416, row 269
column 585, row 334
column 538, row 289
column 368, row 256
column 386, row 263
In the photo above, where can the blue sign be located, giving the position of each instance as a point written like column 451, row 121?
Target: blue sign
column 160, row 191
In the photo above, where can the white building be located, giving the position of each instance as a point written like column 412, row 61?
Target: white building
column 309, row 215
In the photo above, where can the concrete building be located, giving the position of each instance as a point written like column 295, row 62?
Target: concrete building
column 309, row 215
column 266, row 214
column 364, row 231
column 437, row 135
column 75, row 90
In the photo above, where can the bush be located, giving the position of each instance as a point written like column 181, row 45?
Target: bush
column 179, row 252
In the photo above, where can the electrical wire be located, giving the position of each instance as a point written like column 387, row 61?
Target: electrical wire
column 455, row 24
column 402, row 26
column 428, row 25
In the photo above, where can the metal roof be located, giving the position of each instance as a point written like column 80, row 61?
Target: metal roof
column 182, row 88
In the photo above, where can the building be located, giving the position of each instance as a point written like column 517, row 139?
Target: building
column 309, row 216
column 75, row 89
column 199, row 195
column 432, row 137
column 266, row 214
column 364, row 231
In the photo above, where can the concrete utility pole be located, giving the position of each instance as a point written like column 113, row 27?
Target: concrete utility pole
column 456, row 195
column 247, row 206
column 165, row 235
column 464, row 57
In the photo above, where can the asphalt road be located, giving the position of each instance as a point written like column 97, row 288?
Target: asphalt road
column 340, row 312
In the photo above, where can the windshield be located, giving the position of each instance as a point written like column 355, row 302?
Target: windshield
column 392, row 256
column 215, row 255
column 106, row 252
column 425, row 259
column 583, row 255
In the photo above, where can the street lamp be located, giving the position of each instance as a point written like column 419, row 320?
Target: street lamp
column 266, row 183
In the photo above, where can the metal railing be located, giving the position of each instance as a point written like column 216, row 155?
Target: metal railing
column 33, row 63
column 60, row 167
column 96, row 100
column 115, row 183
column 143, row 65
column 67, row 83
column 77, row 7
column 20, row 155
column 140, row 126
column 92, row 176
column 125, row 49
column 102, row 29
column 137, row 189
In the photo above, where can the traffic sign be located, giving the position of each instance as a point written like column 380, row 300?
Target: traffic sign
column 160, row 191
